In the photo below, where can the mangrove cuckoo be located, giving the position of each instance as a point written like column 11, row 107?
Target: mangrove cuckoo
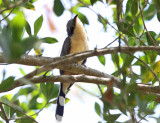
column 74, row 43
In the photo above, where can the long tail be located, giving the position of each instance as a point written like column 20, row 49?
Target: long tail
column 61, row 101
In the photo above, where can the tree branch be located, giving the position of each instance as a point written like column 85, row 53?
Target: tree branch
column 78, row 69
column 62, row 78
column 7, row 15
column 30, row 59
column 145, row 88
column 149, row 68
column 20, row 112
column 13, row 5
column 73, row 58
column 150, row 37
column 4, row 113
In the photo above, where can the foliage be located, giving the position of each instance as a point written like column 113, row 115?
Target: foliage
column 129, row 19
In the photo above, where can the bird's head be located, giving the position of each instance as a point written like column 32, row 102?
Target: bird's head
column 74, row 24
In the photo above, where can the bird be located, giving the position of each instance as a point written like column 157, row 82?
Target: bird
column 75, row 42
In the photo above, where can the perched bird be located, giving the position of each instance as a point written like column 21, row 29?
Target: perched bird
column 74, row 43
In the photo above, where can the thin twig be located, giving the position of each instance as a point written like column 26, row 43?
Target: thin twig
column 148, row 68
column 78, row 86
column 100, row 89
column 99, row 16
column 13, row 5
column 150, row 37
column 132, row 23
column 7, row 15
column 111, row 42
column 18, row 118
column 142, row 119
column 20, row 112
column 4, row 113
column 132, row 114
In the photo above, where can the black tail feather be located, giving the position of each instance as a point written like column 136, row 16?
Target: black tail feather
column 60, row 104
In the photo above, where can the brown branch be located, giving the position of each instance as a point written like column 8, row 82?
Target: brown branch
column 4, row 113
column 100, row 89
column 148, row 88
column 145, row 88
column 112, row 42
column 78, row 69
column 39, row 61
column 73, row 58
column 63, row 78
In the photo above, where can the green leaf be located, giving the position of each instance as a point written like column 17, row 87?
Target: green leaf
column 153, row 34
column 54, row 101
column 49, row 90
column 98, row 109
column 150, row 97
column 5, row 100
column 137, row 26
column 58, row 7
column 93, row 1
column 28, row 28
column 150, row 12
column 131, row 41
column 1, row 2
column 134, row 7
column 49, row 40
column 155, row 80
column 43, row 89
column 12, row 111
column 124, row 26
column 32, row 1
column 2, row 116
column 115, row 58
column 17, row 27
column 7, row 83
column 29, row 6
column 67, row 100
column 102, row 59
column 10, row 43
column 38, row 24
column 127, row 62
column 128, row 5
column 103, row 22
column 33, row 102
column 82, row 18
column 111, row 118
column 22, row 71
column 28, row 43
column 25, row 91
column 24, row 120
column 157, row 3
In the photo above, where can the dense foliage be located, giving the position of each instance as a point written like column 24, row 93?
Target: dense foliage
column 128, row 23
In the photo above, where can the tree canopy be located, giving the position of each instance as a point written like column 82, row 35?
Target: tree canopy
column 135, row 46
